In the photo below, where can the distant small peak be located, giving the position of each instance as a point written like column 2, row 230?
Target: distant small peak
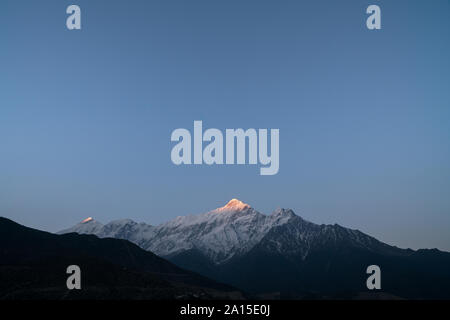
column 87, row 220
column 283, row 212
column 234, row 205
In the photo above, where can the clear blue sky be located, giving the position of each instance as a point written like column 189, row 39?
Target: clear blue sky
column 364, row 116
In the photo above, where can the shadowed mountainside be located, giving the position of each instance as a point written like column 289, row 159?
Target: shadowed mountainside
column 33, row 266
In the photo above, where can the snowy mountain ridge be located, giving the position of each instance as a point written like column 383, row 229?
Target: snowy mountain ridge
column 226, row 232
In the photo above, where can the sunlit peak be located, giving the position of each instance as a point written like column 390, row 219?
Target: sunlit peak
column 87, row 220
column 235, row 205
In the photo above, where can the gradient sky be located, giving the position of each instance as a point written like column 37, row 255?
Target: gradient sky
column 364, row 116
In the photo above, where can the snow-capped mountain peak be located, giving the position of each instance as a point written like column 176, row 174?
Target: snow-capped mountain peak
column 226, row 232
column 283, row 212
column 234, row 205
column 87, row 226
column 87, row 220
column 219, row 234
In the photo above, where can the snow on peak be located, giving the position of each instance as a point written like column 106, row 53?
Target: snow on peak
column 234, row 205
column 87, row 220
column 223, row 233
column 87, row 226
column 219, row 234
column 283, row 212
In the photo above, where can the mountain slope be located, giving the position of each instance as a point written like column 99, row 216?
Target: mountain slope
column 33, row 264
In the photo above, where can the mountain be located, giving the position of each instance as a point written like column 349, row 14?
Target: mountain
column 33, row 265
column 283, row 254
column 219, row 234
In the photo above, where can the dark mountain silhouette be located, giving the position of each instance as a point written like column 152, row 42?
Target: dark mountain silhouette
column 33, row 266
